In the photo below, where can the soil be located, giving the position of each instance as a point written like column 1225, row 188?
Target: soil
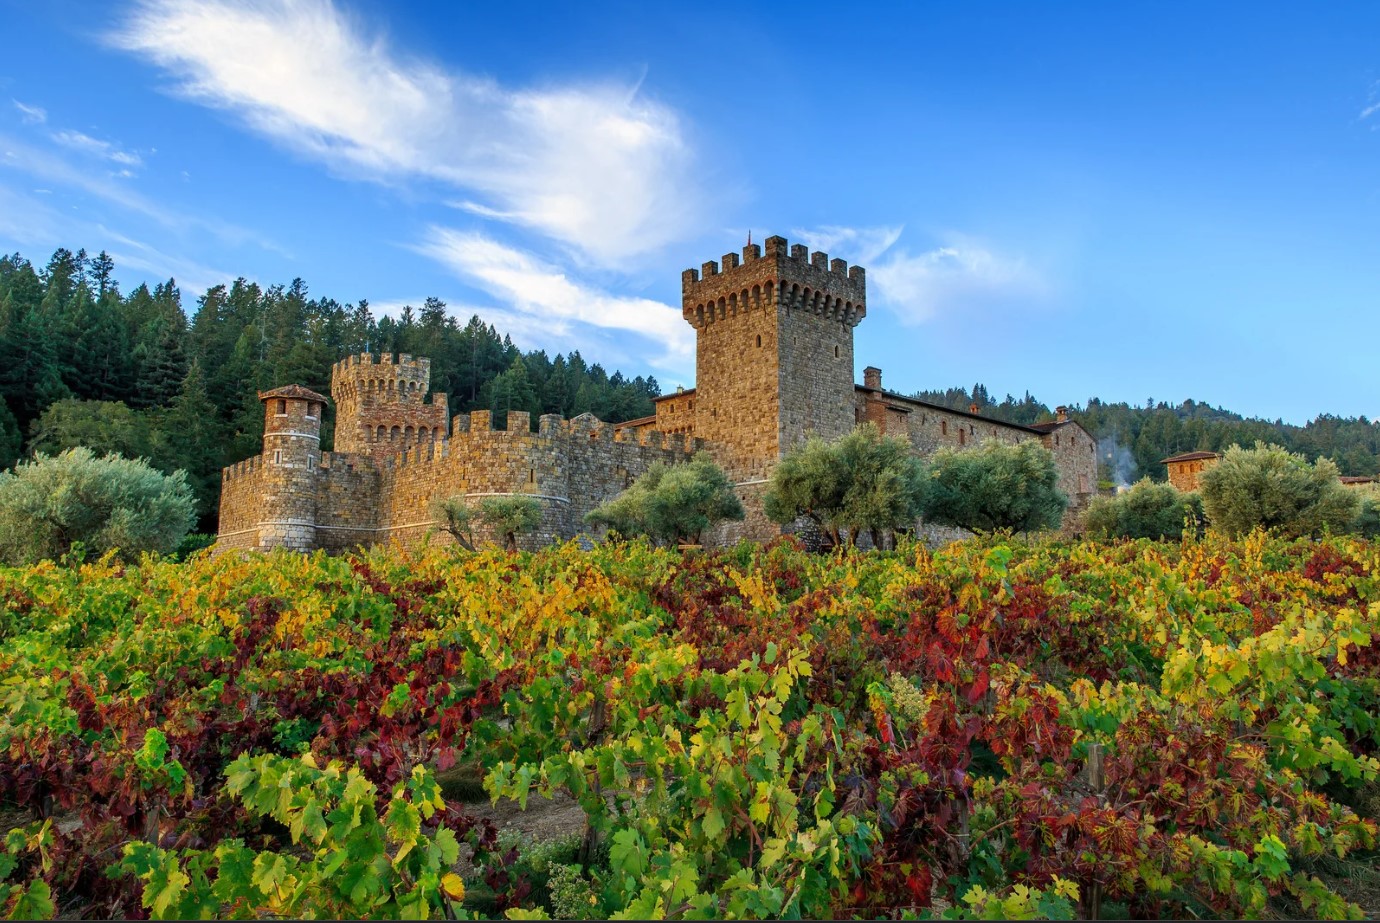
column 544, row 818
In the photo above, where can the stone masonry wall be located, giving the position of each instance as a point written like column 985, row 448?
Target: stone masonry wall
column 381, row 404
column 816, row 368
column 675, row 413
column 1075, row 455
column 1184, row 475
column 292, row 451
column 571, row 466
column 738, row 403
column 241, row 504
column 347, row 501
column 931, row 428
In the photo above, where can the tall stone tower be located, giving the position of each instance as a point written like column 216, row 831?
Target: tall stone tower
column 774, row 351
column 292, row 451
column 380, row 404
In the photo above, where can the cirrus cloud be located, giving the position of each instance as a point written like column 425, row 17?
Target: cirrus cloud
column 540, row 298
column 963, row 274
column 597, row 167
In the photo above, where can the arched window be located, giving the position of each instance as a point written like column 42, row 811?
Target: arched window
column 395, row 433
column 759, row 341
column 943, row 427
column 836, row 352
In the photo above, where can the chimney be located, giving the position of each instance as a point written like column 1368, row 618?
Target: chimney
column 1061, row 414
column 872, row 377
column 973, row 408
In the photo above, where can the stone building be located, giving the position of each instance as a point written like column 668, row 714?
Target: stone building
column 1185, row 468
column 774, row 365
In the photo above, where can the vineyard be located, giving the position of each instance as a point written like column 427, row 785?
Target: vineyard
column 998, row 728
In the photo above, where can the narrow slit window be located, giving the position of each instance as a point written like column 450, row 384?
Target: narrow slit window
column 759, row 341
column 282, row 408
column 278, row 457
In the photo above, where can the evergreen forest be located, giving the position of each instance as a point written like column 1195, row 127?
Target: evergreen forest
column 147, row 373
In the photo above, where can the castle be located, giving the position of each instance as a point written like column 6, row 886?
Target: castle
column 773, row 365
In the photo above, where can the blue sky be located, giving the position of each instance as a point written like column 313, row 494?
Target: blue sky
column 1122, row 200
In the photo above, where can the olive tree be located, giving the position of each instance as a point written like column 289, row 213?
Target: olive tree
column 1368, row 516
column 1147, row 510
column 510, row 517
column 863, row 482
column 507, row 517
column 51, row 504
column 672, row 503
column 995, row 486
column 1269, row 487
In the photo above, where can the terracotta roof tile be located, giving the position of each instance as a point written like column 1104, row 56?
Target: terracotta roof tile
column 294, row 391
column 1189, row 456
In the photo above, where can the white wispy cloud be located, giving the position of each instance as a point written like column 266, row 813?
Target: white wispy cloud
column 46, row 165
column 34, row 115
column 964, row 274
column 35, row 224
column 598, row 167
column 856, row 245
column 80, row 141
column 192, row 277
column 1373, row 104
column 544, row 301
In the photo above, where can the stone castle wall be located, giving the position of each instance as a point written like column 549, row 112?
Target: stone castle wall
column 241, row 504
column 932, row 428
column 353, row 499
column 571, row 466
column 675, row 413
column 1075, row 455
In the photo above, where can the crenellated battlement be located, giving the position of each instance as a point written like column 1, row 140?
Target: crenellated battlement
column 381, row 403
column 371, row 362
column 241, row 468
column 382, row 379
column 585, row 429
column 776, row 273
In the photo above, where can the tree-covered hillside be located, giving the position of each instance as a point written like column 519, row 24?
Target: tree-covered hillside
column 82, row 363
column 1133, row 439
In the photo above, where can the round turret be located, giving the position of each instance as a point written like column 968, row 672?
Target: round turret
column 292, row 452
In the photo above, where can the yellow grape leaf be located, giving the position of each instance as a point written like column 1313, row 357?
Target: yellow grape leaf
column 453, row 885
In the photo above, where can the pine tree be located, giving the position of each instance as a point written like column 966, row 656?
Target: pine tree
column 191, row 438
